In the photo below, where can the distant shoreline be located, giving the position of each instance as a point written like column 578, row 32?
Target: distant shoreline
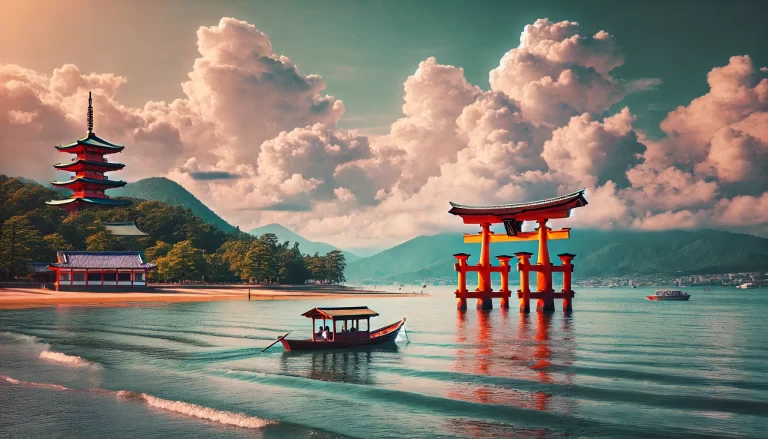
column 20, row 298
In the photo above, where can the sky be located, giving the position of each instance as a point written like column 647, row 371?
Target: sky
column 356, row 122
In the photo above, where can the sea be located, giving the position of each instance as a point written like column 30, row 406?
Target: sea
column 619, row 366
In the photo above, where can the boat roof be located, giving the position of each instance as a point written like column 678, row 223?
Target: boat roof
column 341, row 313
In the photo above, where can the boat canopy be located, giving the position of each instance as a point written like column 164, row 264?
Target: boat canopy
column 342, row 313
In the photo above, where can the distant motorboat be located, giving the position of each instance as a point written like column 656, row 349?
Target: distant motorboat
column 669, row 295
column 747, row 286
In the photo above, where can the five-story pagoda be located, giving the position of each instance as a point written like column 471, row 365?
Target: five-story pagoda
column 89, row 165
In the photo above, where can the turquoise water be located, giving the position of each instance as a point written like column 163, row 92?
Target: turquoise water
column 619, row 366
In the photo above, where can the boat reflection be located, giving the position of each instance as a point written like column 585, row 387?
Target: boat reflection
column 345, row 366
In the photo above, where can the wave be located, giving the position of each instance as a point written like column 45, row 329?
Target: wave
column 197, row 411
column 63, row 358
column 32, row 384
column 19, row 337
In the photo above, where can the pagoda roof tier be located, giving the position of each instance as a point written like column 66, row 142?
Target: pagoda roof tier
column 110, row 202
column 81, row 164
column 91, row 142
column 557, row 207
column 85, row 181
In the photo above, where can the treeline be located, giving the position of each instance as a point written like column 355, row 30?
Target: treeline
column 183, row 247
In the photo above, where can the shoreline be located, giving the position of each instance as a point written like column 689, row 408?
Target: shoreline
column 22, row 298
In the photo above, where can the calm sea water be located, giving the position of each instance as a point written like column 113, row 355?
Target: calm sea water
column 619, row 366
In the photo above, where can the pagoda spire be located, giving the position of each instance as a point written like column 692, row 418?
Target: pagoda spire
column 90, row 113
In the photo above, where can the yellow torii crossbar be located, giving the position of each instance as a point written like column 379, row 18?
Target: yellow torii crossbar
column 513, row 216
column 477, row 238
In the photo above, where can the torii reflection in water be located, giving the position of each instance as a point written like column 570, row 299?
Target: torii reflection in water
column 534, row 362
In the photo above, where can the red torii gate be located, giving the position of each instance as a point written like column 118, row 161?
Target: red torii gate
column 513, row 216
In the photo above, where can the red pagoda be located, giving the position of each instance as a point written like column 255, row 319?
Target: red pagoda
column 89, row 165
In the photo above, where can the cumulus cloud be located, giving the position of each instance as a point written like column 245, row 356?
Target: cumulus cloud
column 558, row 72
column 257, row 139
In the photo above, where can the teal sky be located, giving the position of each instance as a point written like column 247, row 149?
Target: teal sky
column 366, row 50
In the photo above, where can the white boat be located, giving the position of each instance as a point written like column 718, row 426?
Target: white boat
column 669, row 295
column 747, row 286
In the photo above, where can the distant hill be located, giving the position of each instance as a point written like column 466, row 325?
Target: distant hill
column 599, row 253
column 306, row 246
column 168, row 191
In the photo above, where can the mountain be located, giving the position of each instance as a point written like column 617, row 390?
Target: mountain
column 306, row 246
column 599, row 253
column 168, row 191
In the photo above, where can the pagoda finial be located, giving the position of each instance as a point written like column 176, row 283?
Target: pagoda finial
column 90, row 113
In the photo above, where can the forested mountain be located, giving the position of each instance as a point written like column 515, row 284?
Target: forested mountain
column 169, row 192
column 311, row 247
column 599, row 253
column 183, row 246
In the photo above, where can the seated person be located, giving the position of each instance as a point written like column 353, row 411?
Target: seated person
column 328, row 334
column 319, row 333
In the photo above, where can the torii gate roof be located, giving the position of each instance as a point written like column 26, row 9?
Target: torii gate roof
column 557, row 207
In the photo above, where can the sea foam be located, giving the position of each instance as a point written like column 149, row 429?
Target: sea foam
column 198, row 411
column 63, row 358
column 181, row 407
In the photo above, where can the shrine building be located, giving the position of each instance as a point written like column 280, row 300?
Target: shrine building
column 85, row 270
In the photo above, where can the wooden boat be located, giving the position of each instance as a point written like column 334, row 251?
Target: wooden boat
column 669, row 295
column 346, row 332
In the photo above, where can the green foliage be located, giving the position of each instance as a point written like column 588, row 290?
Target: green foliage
column 183, row 246
column 183, row 262
column 21, row 243
column 169, row 192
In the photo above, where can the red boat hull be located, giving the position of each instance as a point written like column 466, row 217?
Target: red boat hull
column 387, row 334
column 668, row 297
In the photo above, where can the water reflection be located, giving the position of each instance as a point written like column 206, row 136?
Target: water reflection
column 347, row 366
column 487, row 347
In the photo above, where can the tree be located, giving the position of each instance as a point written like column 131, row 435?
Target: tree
column 159, row 250
column 55, row 243
column 292, row 267
column 102, row 241
column 20, row 244
column 183, row 262
column 261, row 258
column 335, row 263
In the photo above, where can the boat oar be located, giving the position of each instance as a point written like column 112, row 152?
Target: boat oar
column 275, row 342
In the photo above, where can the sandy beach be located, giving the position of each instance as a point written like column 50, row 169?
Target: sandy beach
column 14, row 298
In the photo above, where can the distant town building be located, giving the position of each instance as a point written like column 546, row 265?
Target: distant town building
column 89, row 165
column 83, row 270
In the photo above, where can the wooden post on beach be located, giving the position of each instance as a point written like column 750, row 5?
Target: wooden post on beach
column 249, row 294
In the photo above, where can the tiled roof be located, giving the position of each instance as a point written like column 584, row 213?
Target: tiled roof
column 77, row 259
column 38, row 267
column 88, row 180
column 95, row 163
column 94, row 141
column 341, row 313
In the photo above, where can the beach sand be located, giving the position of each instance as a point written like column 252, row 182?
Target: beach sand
column 14, row 298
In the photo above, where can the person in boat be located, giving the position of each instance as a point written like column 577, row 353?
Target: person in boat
column 324, row 334
column 319, row 333
column 328, row 334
